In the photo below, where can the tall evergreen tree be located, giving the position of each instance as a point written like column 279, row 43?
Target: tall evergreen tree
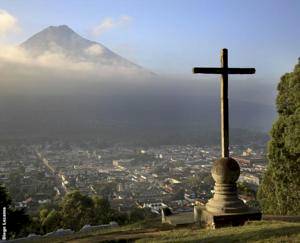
column 279, row 192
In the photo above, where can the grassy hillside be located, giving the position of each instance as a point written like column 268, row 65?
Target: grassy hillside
column 153, row 231
column 253, row 232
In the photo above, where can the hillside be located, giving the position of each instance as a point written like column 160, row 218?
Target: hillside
column 153, row 231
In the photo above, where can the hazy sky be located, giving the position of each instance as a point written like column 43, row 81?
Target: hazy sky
column 172, row 36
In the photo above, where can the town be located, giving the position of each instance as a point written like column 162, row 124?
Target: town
column 177, row 176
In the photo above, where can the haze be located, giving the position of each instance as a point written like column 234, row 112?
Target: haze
column 104, row 63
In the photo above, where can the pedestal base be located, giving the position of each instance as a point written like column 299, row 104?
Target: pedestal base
column 217, row 220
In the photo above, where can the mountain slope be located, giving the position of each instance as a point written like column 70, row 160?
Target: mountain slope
column 63, row 40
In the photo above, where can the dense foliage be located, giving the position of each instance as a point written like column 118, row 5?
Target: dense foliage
column 76, row 210
column 14, row 220
column 73, row 212
column 279, row 192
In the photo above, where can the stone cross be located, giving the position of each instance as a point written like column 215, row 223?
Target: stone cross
column 224, row 70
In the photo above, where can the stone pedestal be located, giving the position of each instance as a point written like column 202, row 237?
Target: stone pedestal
column 225, row 208
column 212, row 220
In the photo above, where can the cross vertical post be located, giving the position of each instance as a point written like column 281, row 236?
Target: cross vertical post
column 224, row 105
column 224, row 70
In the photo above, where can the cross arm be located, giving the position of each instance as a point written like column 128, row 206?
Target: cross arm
column 241, row 70
column 214, row 70
column 208, row 70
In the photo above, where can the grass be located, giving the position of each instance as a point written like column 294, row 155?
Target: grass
column 154, row 231
column 263, row 231
column 142, row 226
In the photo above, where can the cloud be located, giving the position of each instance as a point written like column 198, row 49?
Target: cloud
column 110, row 23
column 51, row 60
column 8, row 23
column 19, row 67
column 94, row 50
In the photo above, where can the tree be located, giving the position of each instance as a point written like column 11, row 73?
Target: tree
column 52, row 221
column 279, row 192
column 138, row 214
column 43, row 213
column 244, row 189
column 103, row 213
column 16, row 219
column 76, row 210
column 5, row 199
